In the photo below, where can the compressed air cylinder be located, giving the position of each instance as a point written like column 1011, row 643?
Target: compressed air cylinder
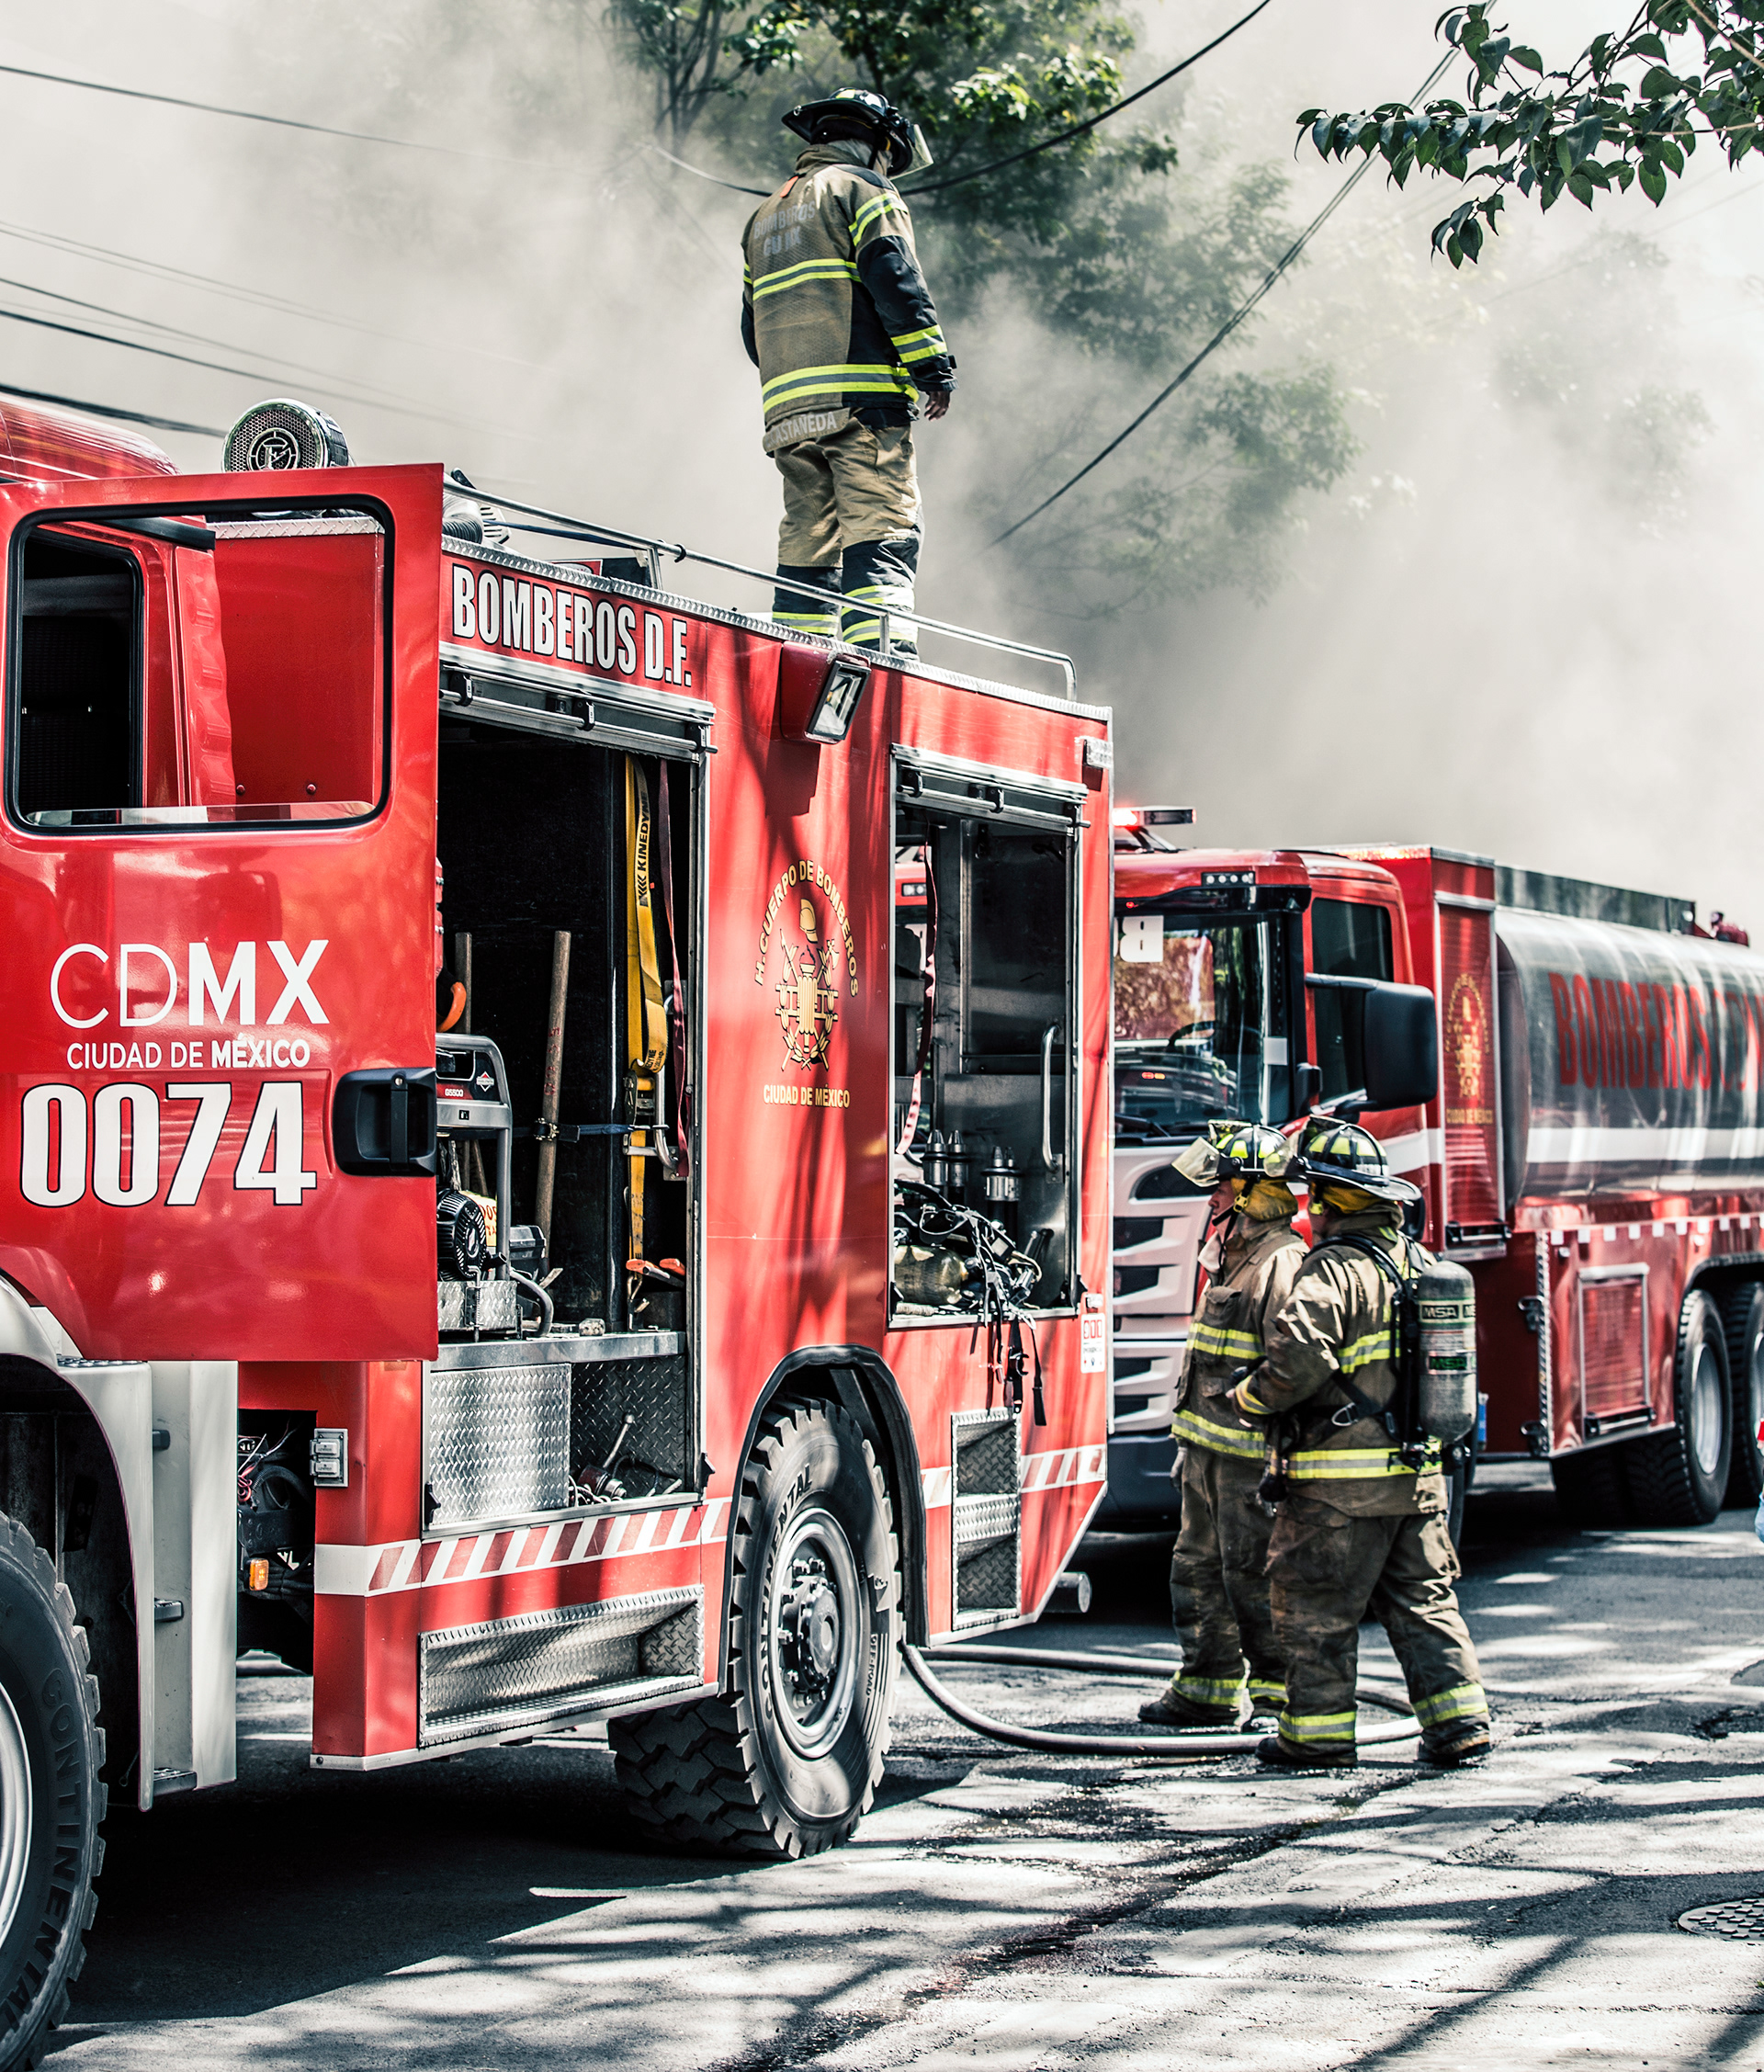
column 1447, row 1296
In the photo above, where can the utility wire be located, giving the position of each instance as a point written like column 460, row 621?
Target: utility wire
column 1079, row 129
column 1016, row 157
column 252, row 297
column 254, row 115
column 1231, row 323
column 366, row 392
column 109, row 410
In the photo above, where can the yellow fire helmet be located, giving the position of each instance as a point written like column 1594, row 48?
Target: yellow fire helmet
column 1341, row 1156
column 1228, row 1149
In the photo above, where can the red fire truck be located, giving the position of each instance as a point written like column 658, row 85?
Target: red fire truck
column 609, row 1354
column 1589, row 1138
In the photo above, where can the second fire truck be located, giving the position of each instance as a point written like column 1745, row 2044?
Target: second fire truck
column 1589, row 1138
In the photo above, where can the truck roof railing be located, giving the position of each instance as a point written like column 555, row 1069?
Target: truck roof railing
column 654, row 551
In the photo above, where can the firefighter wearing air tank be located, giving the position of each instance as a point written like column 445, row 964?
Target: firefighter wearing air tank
column 1369, row 1371
column 1218, row 1588
column 836, row 316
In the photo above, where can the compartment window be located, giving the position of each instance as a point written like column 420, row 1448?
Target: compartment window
column 985, row 1056
column 210, row 669
column 78, row 667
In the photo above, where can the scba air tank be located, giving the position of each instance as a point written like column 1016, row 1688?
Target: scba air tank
column 1446, row 1298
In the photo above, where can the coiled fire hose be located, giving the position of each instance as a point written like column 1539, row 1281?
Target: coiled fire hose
column 1175, row 1747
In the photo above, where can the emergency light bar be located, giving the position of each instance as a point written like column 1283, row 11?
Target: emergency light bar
column 1152, row 816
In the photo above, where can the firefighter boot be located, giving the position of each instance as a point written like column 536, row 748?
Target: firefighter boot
column 1460, row 1750
column 1174, row 1707
column 1281, row 1754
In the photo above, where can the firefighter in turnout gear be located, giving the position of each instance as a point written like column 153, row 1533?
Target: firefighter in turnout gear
column 1218, row 1586
column 836, row 316
column 1359, row 1528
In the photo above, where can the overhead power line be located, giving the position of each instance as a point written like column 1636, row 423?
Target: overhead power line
column 252, row 298
column 255, row 115
column 1016, row 157
column 1230, row 325
column 1079, row 129
column 109, row 410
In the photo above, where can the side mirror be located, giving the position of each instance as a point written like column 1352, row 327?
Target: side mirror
column 1402, row 1047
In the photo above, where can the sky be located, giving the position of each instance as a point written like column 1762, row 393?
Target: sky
column 1518, row 627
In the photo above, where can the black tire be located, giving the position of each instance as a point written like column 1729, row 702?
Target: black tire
column 1742, row 1314
column 785, row 1761
column 1590, row 1490
column 1678, row 1477
column 49, row 1857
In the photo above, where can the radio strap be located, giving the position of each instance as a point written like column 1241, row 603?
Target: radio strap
column 645, row 1019
column 677, row 1155
column 1401, row 1415
column 928, row 1010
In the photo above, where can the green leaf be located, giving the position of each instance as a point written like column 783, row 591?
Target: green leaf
column 1647, row 46
column 1657, row 84
column 1528, row 60
column 1653, row 184
column 1454, row 251
column 1580, row 188
column 1671, row 155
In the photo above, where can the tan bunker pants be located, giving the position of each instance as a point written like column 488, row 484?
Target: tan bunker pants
column 1218, row 1588
column 851, row 496
column 1327, row 1570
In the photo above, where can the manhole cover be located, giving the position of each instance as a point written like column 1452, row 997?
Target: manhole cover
column 1742, row 1919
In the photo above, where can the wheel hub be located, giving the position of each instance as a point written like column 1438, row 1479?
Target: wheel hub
column 14, row 1811
column 810, row 1619
column 815, row 1629
column 1706, row 1409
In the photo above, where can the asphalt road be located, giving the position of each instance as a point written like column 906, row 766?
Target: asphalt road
column 1018, row 1913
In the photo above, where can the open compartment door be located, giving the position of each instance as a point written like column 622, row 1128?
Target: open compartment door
column 217, row 869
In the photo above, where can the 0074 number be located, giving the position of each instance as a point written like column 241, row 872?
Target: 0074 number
column 111, row 1148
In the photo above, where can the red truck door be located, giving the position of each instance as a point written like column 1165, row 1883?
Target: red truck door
column 217, row 887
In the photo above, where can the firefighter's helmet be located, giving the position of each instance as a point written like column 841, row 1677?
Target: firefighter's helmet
column 855, row 111
column 1228, row 1149
column 1340, row 1155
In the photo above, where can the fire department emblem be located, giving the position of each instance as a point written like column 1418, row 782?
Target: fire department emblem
column 806, row 951
column 808, row 1003
column 1467, row 1036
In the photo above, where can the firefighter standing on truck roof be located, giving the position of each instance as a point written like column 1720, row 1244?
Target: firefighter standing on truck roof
column 1358, row 1528
column 836, row 316
column 1218, row 1585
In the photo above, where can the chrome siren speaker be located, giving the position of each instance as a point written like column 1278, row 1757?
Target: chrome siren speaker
column 284, row 433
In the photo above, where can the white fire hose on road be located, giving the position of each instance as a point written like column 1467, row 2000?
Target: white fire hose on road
column 1178, row 1746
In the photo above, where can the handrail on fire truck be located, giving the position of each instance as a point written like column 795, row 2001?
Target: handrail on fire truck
column 653, row 549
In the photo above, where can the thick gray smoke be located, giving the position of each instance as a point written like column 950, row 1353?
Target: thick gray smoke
column 1518, row 627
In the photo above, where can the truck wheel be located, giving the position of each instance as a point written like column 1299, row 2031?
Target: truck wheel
column 51, row 1799
column 1590, row 1490
column 786, row 1761
column 1742, row 1311
column 1678, row 1477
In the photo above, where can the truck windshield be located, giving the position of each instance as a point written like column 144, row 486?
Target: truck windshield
column 1200, row 1023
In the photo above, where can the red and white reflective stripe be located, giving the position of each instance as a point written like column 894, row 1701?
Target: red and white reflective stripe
column 1036, row 1472
column 370, row 1571
column 1060, row 1471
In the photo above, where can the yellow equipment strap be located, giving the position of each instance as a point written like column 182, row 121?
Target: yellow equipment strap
column 646, row 1019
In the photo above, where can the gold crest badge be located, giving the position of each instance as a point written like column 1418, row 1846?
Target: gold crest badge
column 807, row 1004
column 1466, row 1021
column 806, row 940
